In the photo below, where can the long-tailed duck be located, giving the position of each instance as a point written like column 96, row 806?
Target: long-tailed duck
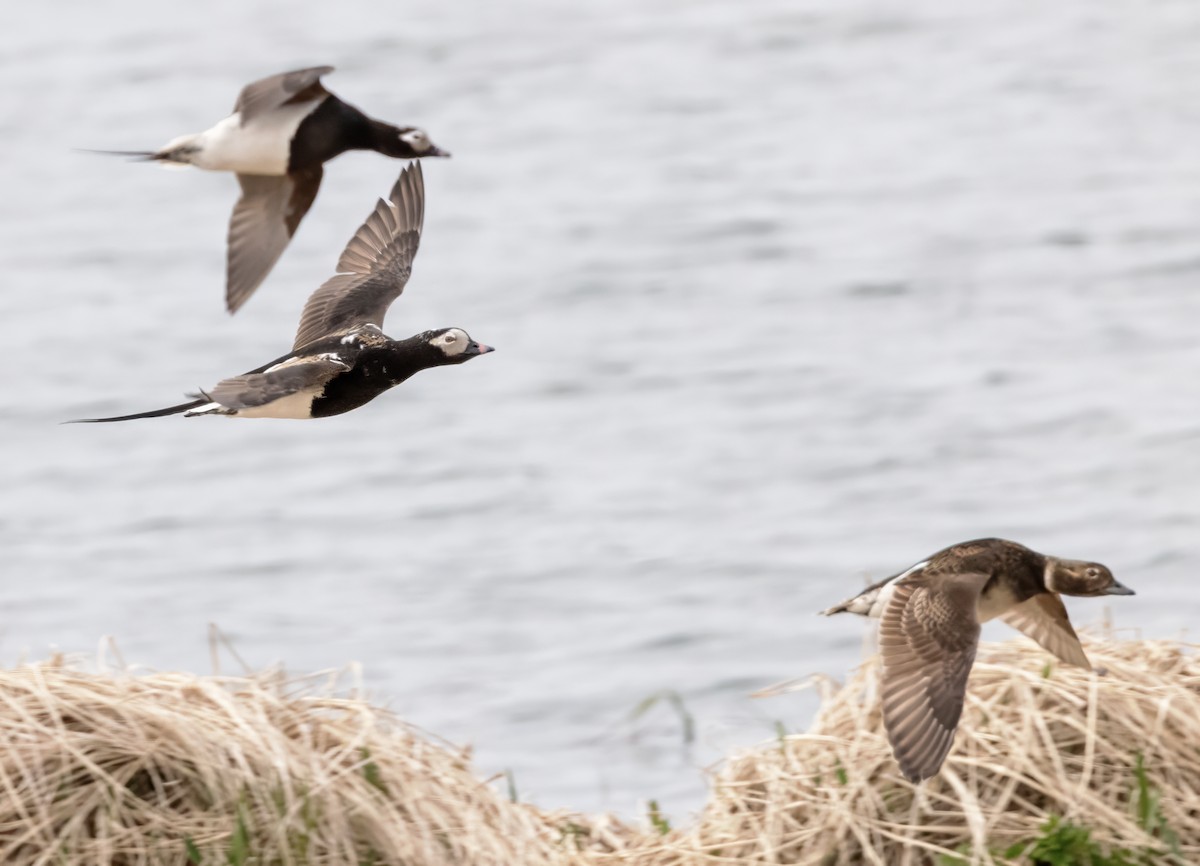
column 282, row 130
column 340, row 358
column 929, row 629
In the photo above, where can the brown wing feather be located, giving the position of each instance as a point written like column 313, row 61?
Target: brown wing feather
column 259, row 97
column 928, row 634
column 1044, row 618
column 263, row 222
column 290, row 377
column 374, row 267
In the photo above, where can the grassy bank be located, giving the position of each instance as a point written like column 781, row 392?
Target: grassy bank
column 171, row 768
column 1051, row 765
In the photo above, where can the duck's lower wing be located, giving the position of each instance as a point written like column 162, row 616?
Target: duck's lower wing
column 928, row 634
column 263, row 222
column 295, row 376
column 1044, row 618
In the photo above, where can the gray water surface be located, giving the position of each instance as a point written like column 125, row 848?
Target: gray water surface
column 786, row 295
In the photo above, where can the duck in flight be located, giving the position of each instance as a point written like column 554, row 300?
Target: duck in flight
column 283, row 129
column 341, row 359
column 929, row 628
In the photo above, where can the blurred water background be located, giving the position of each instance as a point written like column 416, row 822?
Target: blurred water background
column 786, row 296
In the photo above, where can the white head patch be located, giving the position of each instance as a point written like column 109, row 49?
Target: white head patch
column 452, row 342
column 417, row 140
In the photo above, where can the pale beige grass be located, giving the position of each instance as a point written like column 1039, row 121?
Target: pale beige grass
column 117, row 770
column 1036, row 739
column 103, row 769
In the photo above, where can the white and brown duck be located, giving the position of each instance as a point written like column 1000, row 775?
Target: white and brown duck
column 930, row 617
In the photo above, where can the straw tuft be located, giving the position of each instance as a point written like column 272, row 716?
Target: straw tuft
column 121, row 770
column 171, row 768
column 1114, row 752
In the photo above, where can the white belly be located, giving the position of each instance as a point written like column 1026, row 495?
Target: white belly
column 298, row 406
column 295, row 406
column 262, row 146
column 998, row 601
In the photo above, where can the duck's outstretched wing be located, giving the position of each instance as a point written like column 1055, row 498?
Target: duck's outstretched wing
column 299, row 85
column 1044, row 618
column 263, row 222
column 928, row 634
column 374, row 267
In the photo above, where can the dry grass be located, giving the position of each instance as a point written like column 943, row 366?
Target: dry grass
column 1036, row 740
column 171, row 768
column 165, row 768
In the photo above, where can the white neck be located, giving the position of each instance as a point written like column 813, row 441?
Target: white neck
column 1048, row 575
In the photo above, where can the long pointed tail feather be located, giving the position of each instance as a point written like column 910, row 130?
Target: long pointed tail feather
column 138, row 155
column 153, row 413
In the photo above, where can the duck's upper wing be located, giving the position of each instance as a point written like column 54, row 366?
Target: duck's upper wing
column 1044, row 618
column 300, row 85
column 373, row 268
column 303, row 373
column 263, row 222
column 928, row 634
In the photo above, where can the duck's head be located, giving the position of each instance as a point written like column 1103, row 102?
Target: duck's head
column 454, row 345
column 408, row 142
column 1075, row 577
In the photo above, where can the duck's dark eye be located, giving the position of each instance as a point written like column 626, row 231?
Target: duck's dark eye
column 1092, row 572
